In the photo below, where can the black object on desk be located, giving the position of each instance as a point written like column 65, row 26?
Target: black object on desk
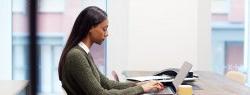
column 172, row 72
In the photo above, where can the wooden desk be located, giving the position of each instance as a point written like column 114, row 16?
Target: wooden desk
column 13, row 87
column 210, row 83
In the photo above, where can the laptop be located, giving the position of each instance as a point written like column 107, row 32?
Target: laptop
column 172, row 87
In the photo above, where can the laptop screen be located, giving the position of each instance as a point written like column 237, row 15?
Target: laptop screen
column 185, row 68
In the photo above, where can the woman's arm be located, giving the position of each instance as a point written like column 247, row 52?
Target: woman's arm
column 81, row 72
column 111, row 84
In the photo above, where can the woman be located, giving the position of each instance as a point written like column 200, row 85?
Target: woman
column 77, row 71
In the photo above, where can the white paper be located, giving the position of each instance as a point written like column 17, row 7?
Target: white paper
column 146, row 78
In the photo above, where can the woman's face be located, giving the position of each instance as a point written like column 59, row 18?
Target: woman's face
column 99, row 32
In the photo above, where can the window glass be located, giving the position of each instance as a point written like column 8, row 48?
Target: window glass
column 228, row 35
column 55, row 19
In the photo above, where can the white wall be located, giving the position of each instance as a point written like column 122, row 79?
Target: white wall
column 6, row 41
column 204, row 48
column 117, row 41
column 156, row 34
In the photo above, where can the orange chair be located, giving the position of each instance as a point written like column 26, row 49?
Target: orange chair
column 236, row 76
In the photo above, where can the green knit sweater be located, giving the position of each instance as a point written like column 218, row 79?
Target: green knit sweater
column 80, row 76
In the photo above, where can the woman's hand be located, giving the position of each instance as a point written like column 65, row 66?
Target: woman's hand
column 152, row 86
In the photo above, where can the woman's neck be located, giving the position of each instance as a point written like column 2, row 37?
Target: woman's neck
column 87, row 42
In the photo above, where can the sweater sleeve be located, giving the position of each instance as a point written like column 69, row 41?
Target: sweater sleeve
column 110, row 84
column 82, row 74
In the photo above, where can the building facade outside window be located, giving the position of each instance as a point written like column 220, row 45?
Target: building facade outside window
column 229, row 36
column 55, row 20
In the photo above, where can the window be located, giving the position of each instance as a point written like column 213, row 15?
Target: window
column 229, row 36
column 55, row 20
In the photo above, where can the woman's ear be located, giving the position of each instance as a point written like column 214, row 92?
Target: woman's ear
column 92, row 29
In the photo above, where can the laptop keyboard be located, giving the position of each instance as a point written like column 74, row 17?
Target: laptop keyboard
column 166, row 90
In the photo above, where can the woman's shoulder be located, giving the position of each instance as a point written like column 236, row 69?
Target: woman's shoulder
column 76, row 52
column 75, row 59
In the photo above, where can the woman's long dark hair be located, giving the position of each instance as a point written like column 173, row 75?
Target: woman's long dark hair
column 88, row 18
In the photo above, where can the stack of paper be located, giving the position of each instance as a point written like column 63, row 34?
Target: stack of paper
column 146, row 78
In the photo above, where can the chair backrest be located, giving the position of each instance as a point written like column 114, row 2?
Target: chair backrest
column 236, row 76
column 63, row 91
column 114, row 74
